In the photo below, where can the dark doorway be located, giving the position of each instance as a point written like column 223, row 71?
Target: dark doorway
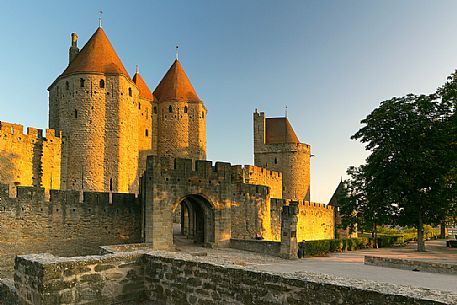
column 193, row 222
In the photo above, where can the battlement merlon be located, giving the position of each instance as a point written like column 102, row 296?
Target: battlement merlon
column 178, row 168
column 32, row 133
column 303, row 203
column 37, row 195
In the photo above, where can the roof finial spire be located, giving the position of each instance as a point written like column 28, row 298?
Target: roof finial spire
column 177, row 53
column 100, row 19
column 286, row 111
column 137, row 70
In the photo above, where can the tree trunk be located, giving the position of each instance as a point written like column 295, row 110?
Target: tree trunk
column 443, row 231
column 420, row 235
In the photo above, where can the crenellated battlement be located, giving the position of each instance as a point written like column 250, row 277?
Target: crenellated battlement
column 303, row 203
column 36, row 196
column 17, row 131
column 177, row 170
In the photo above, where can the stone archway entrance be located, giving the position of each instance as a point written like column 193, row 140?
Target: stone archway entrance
column 193, row 222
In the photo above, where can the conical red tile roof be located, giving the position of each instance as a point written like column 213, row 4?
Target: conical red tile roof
column 279, row 131
column 176, row 86
column 97, row 55
column 145, row 93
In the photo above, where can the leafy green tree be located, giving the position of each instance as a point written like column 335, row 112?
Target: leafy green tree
column 360, row 207
column 408, row 168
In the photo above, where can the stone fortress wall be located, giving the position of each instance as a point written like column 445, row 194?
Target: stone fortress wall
column 242, row 209
column 179, row 129
column 29, row 159
column 156, row 278
column 103, row 121
column 315, row 220
column 69, row 223
column 291, row 159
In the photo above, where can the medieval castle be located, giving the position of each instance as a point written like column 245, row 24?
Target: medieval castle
column 121, row 164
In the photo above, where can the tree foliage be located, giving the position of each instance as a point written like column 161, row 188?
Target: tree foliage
column 410, row 175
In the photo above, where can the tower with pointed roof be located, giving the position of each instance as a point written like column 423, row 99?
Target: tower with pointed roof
column 104, row 117
column 277, row 148
column 179, row 117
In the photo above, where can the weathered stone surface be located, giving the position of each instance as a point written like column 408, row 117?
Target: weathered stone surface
column 399, row 263
column 63, row 225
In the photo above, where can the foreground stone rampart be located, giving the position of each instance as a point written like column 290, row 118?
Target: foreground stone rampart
column 163, row 278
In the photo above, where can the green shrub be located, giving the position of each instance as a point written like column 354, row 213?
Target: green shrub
column 315, row 247
column 322, row 247
column 336, row 245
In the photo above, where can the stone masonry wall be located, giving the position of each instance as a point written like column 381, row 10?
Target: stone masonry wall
column 170, row 280
column 99, row 116
column 103, row 280
column 182, row 132
column 64, row 225
column 238, row 209
column 315, row 220
column 29, row 159
column 158, row 278
column 291, row 159
column 259, row 176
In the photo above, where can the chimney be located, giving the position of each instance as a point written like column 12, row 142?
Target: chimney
column 74, row 51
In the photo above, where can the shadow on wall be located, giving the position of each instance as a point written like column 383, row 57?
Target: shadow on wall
column 9, row 169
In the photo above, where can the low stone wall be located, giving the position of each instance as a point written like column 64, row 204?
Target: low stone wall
column 167, row 278
column 259, row 246
column 44, row 279
column 172, row 279
column 398, row 263
column 8, row 294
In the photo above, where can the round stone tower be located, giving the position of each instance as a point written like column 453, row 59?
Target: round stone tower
column 94, row 103
column 179, row 117
column 276, row 147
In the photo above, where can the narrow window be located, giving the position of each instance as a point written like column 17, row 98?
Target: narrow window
column 170, row 109
column 76, row 114
column 139, row 105
column 67, row 85
column 81, row 82
column 130, row 91
column 146, row 132
column 111, row 184
column 155, row 109
column 203, row 115
column 102, row 83
column 185, row 109
column 276, row 161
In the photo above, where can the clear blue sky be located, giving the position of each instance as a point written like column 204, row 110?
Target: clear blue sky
column 330, row 62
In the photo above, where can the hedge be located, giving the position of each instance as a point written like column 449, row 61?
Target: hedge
column 324, row 246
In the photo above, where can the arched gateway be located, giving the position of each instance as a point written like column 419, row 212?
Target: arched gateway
column 194, row 220
column 200, row 195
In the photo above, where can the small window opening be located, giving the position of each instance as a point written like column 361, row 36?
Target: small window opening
column 276, row 161
column 139, row 105
column 102, row 83
column 81, row 82
column 146, row 132
column 67, row 85
column 170, row 109
column 155, row 109
column 203, row 115
column 76, row 114
column 111, row 184
column 130, row 91
column 185, row 109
